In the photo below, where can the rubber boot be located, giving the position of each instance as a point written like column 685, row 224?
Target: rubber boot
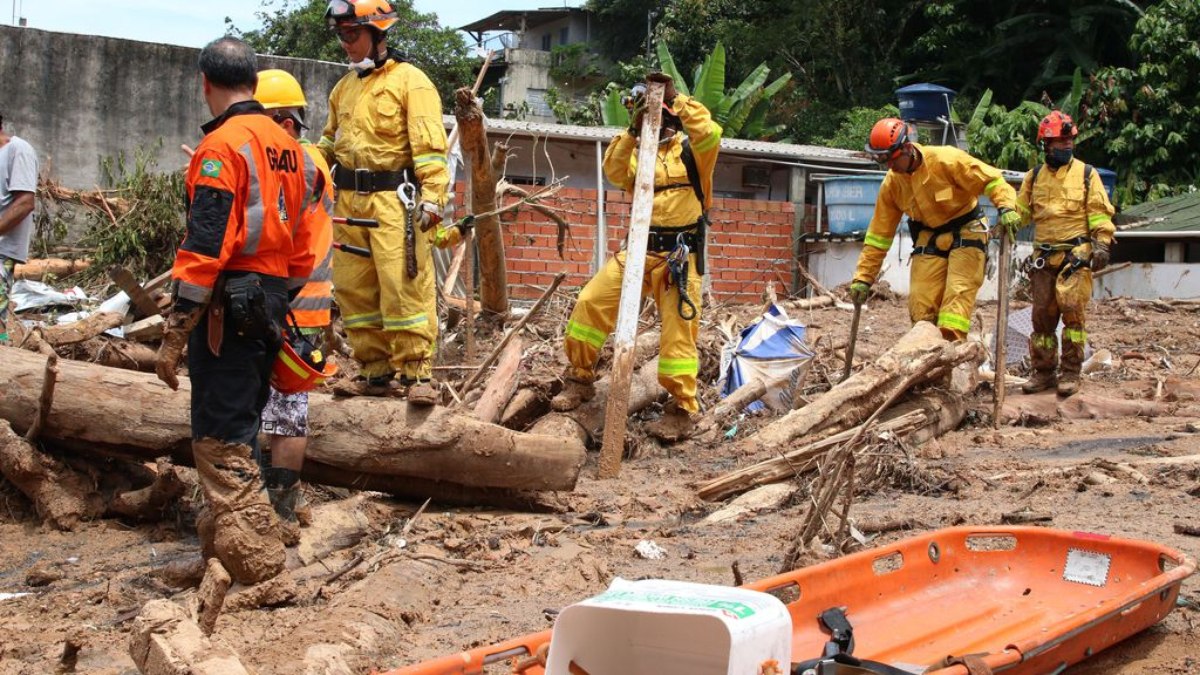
column 423, row 393
column 1072, row 364
column 675, row 425
column 575, row 392
column 245, row 529
column 283, row 491
column 1043, row 353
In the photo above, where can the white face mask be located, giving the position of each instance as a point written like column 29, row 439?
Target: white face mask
column 363, row 66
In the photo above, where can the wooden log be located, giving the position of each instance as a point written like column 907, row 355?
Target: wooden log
column 587, row 422
column 45, row 399
column 165, row 641
column 920, row 354
column 143, row 304
column 527, row 405
column 493, row 277
column 38, row 268
column 1045, row 407
column 84, row 329
column 149, row 502
column 625, row 331
column 61, row 496
column 146, row 330
column 999, row 362
column 115, row 353
column 927, row 416
column 729, row 406
column 502, row 384
column 353, row 443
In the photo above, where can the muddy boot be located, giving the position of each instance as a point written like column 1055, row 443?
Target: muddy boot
column 423, row 393
column 575, row 392
column 382, row 385
column 1040, row 381
column 283, row 491
column 1043, row 353
column 245, row 534
column 1072, row 361
column 675, row 425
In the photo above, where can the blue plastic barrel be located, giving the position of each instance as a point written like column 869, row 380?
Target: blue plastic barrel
column 1109, row 178
column 850, row 202
column 925, row 102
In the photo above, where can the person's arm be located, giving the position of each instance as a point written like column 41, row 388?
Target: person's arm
column 619, row 166
column 427, row 139
column 21, row 206
column 212, row 233
column 314, row 219
column 329, row 134
column 705, row 137
column 978, row 178
column 1100, row 212
column 1025, row 199
column 880, row 233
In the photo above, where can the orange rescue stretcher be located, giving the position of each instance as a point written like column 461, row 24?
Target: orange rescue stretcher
column 958, row 601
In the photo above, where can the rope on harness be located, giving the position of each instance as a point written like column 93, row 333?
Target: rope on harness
column 677, row 269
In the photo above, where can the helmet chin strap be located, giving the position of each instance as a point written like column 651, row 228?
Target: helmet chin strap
column 369, row 64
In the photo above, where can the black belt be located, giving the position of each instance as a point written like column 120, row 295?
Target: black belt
column 954, row 225
column 664, row 240
column 365, row 181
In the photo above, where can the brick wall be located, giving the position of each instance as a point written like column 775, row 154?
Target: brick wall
column 750, row 243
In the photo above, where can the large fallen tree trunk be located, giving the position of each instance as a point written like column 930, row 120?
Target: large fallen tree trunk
column 1045, row 407
column 926, row 416
column 919, row 356
column 380, row 444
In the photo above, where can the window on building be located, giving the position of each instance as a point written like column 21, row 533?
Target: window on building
column 564, row 34
column 536, row 98
column 546, row 42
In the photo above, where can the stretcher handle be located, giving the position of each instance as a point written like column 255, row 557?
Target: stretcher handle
column 360, row 222
column 353, row 250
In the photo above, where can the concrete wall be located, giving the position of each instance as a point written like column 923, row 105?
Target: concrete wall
column 78, row 98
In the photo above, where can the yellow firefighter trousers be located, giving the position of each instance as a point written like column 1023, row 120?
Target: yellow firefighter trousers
column 595, row 315
column 390, row 319
column 943, row 290
column 1055, row 297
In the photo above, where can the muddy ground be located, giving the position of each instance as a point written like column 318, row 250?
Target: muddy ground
column 470, row 576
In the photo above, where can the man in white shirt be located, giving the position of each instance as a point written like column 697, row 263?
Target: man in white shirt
column 18, row 183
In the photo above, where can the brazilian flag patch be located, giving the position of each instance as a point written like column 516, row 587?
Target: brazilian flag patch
column 210, row 168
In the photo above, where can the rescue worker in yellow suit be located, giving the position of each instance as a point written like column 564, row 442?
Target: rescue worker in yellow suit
column 1073, row 231
column 674, row 272
column 938, row 188
column 387, row 145
column 285, row 417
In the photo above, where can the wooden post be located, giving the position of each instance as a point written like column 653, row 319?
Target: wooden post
column 1000, row 366
column 493, row 275
column 797, row 190
column 142, row 302
column 468, row 262
column 631, row 288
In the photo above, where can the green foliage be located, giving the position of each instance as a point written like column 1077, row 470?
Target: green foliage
column 1006, row 139
column 855, row 128
column 569, row 111
column 613, row 112
column 144, row 239
column 1148, row 117
column 573, row 63
column 297, row 28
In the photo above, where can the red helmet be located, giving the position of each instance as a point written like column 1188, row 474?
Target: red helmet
column 300, row 367
column 888, row 136
column 1056, row 125
column 376, row 13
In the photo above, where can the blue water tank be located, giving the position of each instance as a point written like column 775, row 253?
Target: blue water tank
column 850, row 202
column 925, row 102
column 1109, row 178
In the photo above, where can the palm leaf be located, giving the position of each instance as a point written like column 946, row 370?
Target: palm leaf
column 613, row 112
column 710, row 84
column 770, row 90
column 668, row 66
column 741, row 113
column 981, row 110
column 753, row 81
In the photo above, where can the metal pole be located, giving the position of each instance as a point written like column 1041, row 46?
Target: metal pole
column 601, row 219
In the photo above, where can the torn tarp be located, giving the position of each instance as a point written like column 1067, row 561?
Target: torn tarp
column 771, row 350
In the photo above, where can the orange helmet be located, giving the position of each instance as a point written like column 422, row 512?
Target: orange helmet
column 299, row 367
column 888, row 136
column 376, row 13
column 1056, row 125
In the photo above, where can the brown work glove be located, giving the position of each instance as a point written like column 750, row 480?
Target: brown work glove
column 669, row 92
column 428, row 215
column 1099, row 255
column 179, row 325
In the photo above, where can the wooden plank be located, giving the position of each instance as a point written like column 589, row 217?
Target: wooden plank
column 1000, row 366
column 631, row 287
column 143, row 304
column 797, row 190
column 502, row 384
column 150, row 328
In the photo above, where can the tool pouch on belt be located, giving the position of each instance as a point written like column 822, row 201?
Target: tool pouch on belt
column 216, row 318
column 247, row 307
column 954, row 227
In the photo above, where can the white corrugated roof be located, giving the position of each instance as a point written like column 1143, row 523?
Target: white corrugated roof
column 568, row 132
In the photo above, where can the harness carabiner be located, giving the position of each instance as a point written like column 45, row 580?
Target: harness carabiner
column 677, row 269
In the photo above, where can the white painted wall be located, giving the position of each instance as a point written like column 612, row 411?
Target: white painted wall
column 836, row 266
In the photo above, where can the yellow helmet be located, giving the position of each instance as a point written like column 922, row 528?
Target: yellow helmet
column 278, row 89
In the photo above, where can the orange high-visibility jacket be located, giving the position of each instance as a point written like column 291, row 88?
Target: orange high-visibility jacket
column 312, row 305
column 253, row 194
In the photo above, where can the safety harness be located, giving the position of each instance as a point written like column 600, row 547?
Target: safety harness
column 1043, row 250
column 839, row 649
column 954, row 225
column 365, row 181
column 679, row 242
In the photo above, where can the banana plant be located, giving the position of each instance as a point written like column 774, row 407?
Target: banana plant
column 742, row 112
